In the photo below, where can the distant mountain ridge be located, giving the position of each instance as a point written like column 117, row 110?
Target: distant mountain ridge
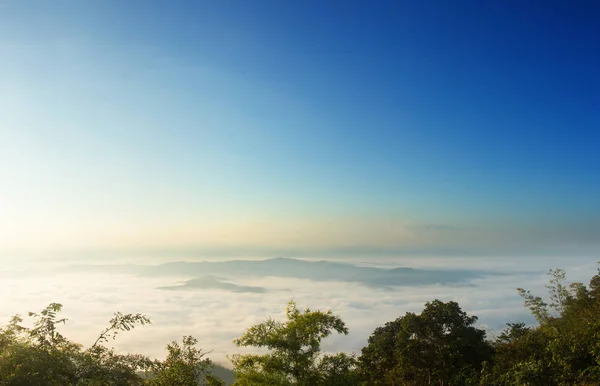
column 316, row 270
column 220, row 274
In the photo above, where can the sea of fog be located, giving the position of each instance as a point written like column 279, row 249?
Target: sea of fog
column 216, row 301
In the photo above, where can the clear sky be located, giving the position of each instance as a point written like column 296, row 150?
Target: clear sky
column 420, row 127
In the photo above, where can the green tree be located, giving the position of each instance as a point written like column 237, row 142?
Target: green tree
column 120, row 322
column 99, row 365
column 560, row 297
column 185, row 365
column 40, row 355
column 338, row 370
column 521, row 358
column 37, row 355
column 564, row 349
column 294, row 356
column 440, row 346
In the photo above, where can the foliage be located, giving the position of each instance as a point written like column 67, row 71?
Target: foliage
column 120, row 322
column 38, row 355
column 294, row 356
column 185, row 365
column 440, row 346
column 42, row 356
column 563, row 350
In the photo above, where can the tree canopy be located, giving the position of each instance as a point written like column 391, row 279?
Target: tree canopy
column 40, row 355
column 294, row 346
column 564, row 349
column 440, row 346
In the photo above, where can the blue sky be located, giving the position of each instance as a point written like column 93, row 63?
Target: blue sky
column 449, row 127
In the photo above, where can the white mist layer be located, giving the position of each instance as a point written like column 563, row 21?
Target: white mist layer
column 216, row 316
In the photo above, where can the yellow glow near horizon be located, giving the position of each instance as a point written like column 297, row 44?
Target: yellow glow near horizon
column 73, row 232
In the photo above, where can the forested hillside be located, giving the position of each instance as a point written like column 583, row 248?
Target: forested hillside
column 442, row 345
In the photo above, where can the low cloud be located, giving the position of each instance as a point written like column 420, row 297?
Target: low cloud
column 216, row 314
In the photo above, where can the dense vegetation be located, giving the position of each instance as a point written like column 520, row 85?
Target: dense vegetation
column 40, row 355
column 440, row 346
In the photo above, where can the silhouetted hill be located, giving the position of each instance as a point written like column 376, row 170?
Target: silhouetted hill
column 222, row 274
column 315, row 270
column 213, row 282
column 225, row 374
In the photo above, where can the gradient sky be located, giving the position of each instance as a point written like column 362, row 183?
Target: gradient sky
column 423, row 127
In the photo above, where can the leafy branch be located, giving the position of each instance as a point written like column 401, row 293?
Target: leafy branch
column 121, row 322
